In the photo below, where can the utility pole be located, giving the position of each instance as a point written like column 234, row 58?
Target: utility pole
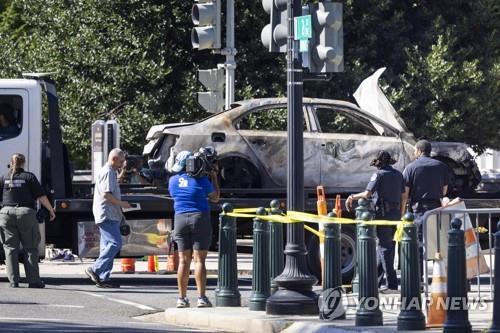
column 230, row 53
column 295, row 295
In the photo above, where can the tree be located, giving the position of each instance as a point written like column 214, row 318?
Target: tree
column 132, row 60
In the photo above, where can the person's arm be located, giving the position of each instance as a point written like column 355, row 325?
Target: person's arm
column 215, row 195
column 109, row 197
column 46, row 203
column 365, row 195
column 404, row 199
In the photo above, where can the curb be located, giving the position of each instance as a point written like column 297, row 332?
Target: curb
column 229, row 320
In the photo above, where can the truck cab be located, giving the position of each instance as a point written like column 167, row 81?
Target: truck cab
column 21, row 126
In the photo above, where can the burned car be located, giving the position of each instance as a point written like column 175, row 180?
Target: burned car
column 340, row 140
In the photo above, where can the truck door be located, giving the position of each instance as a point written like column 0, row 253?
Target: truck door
column 14, row 126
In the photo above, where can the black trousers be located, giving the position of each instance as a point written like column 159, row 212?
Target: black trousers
column 385, row 253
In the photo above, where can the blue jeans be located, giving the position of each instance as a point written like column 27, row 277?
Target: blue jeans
column 111, row 242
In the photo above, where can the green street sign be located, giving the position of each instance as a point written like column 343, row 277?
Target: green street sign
column 303, row 27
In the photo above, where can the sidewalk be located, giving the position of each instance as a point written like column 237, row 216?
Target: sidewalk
column 59, row 267
column 243, row 320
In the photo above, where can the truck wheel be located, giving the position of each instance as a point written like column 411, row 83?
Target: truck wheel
column 236, row 172
column 347, row 254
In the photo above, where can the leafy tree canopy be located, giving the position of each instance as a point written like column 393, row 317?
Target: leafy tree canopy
column 132, row 60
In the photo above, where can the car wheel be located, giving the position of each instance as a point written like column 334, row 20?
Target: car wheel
column 236, row 172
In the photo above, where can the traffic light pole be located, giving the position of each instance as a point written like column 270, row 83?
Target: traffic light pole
column 230, row 53
column 295, row 295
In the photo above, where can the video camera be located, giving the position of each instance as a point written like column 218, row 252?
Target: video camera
column 202, row 162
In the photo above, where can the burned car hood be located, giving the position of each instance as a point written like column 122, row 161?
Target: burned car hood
column 370, row 98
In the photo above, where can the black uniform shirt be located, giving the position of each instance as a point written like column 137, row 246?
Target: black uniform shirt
column 426, row 178
column 22, row 191
column 388, row 184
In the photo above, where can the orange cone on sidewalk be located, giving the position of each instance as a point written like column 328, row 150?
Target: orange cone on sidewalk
column 436, row 311
column 152, row 264
column 322, row 208
column 173, row 261
column 128, row 265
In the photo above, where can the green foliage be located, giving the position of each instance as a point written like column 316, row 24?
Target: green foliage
column 132, row 60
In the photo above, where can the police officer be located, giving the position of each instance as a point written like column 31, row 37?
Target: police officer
column 426, row 182
column 18, row 224
column 386, row 188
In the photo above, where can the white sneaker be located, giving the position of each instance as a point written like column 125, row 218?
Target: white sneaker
column 182, row 302
column 204, row 302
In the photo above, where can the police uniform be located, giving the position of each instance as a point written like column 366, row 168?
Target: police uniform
column 387, row 185
column 426, row 178
column 18, row 224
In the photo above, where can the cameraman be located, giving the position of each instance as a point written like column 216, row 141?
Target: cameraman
column 192, row 227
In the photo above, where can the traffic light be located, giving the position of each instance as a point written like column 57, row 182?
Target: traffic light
column 213, row 80
column 206, row 15
column 326, row 48
column 274, row 34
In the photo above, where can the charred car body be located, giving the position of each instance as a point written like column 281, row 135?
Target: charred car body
column 339, row 141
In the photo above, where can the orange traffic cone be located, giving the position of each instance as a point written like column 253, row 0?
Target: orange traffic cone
column 322, row 208
column 128, row 265
column 436, row 311
column 152, row 264
column 173, row 261
column 338, row 206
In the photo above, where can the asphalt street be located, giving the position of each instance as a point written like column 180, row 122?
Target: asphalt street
column 73, row 304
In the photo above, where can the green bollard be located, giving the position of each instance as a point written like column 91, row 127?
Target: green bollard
column 368, row 312
column 227, row 293
column 363, row 206
column 411, row 317
column 457, row 314
column 331, row 303
column 277, row 257
column 260, row 272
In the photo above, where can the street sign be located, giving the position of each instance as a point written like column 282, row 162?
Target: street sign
column 303, row 27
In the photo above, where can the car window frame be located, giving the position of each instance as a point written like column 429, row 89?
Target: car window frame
column 354, row 114
column 307, row 121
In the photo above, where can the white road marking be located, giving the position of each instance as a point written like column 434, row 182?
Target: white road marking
column 134, row 304
column 65, row 306
column 32, row 319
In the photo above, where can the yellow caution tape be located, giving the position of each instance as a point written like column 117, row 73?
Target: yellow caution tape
column 298, row 217
column 314, row 231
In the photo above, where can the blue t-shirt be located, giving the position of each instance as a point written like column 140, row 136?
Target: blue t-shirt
column 190, row 193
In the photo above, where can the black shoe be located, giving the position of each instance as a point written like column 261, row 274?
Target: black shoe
column 38, row 285
column 107, row 284
column 14, row 285
column 92, row 275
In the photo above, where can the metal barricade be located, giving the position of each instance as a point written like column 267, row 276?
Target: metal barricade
column 445, row 215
